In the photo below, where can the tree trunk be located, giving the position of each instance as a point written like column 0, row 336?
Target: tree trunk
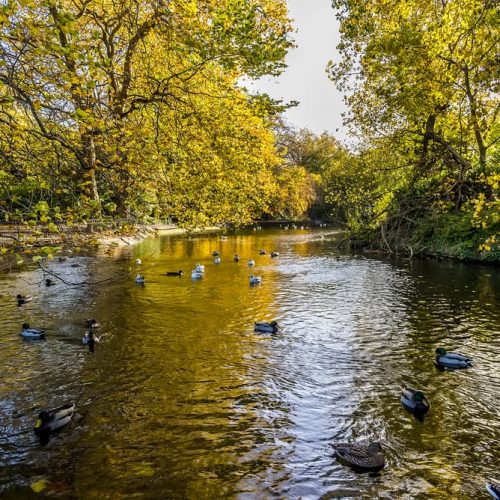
column 90, row 166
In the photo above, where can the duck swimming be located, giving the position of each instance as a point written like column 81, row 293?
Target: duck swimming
column 236, row 258
column 262, row 326
column 200, row 268
column 262, row 252
column 23, row 299
column 49, row 282
column 51, row 420
column 138, row 262
column 140, row 279
column 215, row 253
column 494, row 490
column 451, row 360
column 174, row 273
column 362, row 457
column 251, row 263
column 415, row 401
column 216, row 259
column 254, row 280
column 275, row 254
column 32, row 333
column 196, row 275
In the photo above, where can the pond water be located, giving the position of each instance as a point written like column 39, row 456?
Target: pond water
column 182, row 399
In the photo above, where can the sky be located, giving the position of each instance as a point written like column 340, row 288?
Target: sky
column 305, row 80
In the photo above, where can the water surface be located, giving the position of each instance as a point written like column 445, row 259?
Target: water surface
column 183, row 400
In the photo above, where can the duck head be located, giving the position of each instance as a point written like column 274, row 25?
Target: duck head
column 26, row 326
column 440, row 351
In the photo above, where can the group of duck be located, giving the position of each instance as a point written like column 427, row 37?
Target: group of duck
column 370, row 457
column 52, row 420
column 362, row 457
column 199, row 271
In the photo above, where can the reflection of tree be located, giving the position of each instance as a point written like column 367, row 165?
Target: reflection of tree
column 181, row 385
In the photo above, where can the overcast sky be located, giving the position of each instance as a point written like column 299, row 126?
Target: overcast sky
column 305, row 79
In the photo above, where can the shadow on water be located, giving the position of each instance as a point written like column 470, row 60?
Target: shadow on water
column 181, row 398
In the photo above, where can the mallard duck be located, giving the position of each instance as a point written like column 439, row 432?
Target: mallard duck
column 262, row 326
column 49, row 282
column 32, row 333
column 494, row 490
column 92, row 323
column 174, row 273
column 254, row 280
column 138, row 262
column 451, row 359
column 275, row 254
column 216, row 259
column 22, row 299
column 363, row 457
column 262, row 252
column 415, row 401
column 196, row 275
column 140, row 279
column 236, row 258
column 51, row 420
column 251, row 263
column 200, row 268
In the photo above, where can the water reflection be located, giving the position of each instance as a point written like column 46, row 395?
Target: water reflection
column 181, row 398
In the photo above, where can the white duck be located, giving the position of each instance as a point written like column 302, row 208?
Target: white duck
column 254, row 280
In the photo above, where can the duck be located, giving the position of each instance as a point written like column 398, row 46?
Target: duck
column 32, row 333
column 62, row 259
column 138, row 262
column 196, row 275
column 262, row 252
column 200, row 268
column 49, row 282
column 140, row 279
column 254, row 280
column 50, row 420
column 451, row 360
column 216, row 259
column 494, row 490
column 362, row 457
column 275, row 254
column 215, row 253
column 236, row 258
column 223, row 238
column 92, row 323
column 23, row 299
column 174, row 273
column 415, row 401
column 262, row 326
column 251, row 262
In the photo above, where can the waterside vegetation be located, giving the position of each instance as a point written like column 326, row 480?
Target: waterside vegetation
column 136, row 111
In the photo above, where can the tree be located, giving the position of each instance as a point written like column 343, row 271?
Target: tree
column 93, row 79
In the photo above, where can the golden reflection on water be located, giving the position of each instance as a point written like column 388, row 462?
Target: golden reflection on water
column 183, row 400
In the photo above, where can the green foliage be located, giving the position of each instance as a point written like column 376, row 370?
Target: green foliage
column 133, row 109
column 423, row 99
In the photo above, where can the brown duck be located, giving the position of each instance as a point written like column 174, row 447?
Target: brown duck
column 363, row 457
